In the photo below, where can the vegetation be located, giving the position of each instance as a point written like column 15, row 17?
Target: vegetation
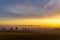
column 29, row 35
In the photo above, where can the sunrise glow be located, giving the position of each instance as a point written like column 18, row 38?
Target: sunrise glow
column 30, row 12
column 52, row 22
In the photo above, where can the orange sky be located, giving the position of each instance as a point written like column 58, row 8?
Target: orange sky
column 51, row 21
column 45, row 13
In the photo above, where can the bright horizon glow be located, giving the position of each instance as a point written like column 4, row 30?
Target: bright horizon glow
column 45, row 13
column 50, row 22
column 53, row 21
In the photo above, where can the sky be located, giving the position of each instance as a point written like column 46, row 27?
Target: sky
column 28, row 8
column 16, row 11
column 23, row 8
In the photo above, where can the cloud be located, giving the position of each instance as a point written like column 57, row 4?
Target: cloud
column 48, row 4
column 22, row 9
column 19, row 11
column 35, row 9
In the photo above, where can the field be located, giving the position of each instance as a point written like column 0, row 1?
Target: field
column 29, row 35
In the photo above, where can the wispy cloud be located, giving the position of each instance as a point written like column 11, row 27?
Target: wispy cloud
column 48, row 4
column 37, row 8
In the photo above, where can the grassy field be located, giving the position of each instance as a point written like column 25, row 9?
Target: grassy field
column 29, row 36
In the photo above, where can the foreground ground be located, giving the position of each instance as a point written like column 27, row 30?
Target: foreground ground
column 29, row 36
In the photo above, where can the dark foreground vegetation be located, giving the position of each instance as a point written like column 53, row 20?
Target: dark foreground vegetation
column 13, row 35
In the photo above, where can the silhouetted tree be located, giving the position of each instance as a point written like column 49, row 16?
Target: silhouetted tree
column 11, row 29
column 25, row 29
column 22, row 29
column 3, row 28
column 28, row 29
column 16, row 28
